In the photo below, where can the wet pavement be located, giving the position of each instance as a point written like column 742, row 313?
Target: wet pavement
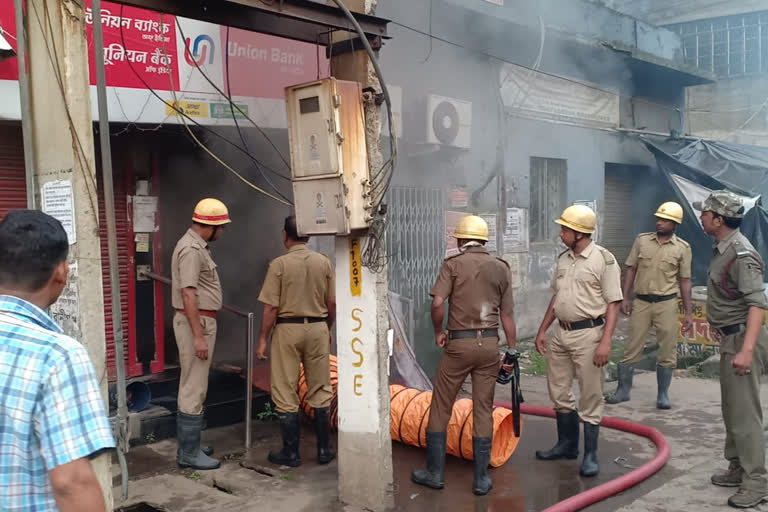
column 522, row 484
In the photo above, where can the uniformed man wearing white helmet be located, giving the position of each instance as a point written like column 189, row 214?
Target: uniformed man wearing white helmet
column 197, row 298
column 658, row 266
column 585, row 304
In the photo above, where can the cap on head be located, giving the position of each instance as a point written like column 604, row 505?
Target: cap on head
column 722, row 202
column 670, row 211
column 471, row 227
column 579, row 218
column 211, row 212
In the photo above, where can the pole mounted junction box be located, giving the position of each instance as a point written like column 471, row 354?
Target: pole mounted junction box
column 329, row 158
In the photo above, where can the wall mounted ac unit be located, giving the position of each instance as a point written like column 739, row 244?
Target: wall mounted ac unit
column 449, row 121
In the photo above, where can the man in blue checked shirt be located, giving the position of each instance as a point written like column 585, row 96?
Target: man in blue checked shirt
column 52, row 417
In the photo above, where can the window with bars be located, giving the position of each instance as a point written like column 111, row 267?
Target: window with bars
column 548, row 195
column 727, row 46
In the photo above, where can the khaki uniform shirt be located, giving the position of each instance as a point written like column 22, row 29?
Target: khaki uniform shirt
column 586, row 283
column 659, row 266
column 478, row 287
column 735, row 281
column 192, row 267
column 299, row 283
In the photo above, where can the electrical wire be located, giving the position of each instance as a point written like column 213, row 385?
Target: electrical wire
column 206, row 149
column 373, row 255
column 229, row 97
column 234, row 116
column 384, row 175
column 181, row 113
column 81, row 156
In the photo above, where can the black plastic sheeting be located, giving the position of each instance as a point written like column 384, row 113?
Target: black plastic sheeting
column 715, row 165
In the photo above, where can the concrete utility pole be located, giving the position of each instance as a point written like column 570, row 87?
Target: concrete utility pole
column 365, row 444
column 65, row 172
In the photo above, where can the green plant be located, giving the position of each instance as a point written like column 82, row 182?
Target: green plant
column 150, row 438
column 537, row 366
column 195, row 476
column 268, row 414
column 287, row 476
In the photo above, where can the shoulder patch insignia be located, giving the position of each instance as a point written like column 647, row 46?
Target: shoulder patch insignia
column 683, row 242
column 742, row 252
column 607, row 256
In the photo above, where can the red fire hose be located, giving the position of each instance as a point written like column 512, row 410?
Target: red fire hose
column 603, row 491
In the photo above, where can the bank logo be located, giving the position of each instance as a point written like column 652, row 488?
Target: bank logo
column 199, row 49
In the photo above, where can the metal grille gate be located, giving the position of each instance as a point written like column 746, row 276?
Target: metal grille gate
column 415, row 240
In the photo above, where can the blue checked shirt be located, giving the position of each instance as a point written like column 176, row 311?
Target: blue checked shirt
column 51, row 410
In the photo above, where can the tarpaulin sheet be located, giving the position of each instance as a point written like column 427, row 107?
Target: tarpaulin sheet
column 710, row 166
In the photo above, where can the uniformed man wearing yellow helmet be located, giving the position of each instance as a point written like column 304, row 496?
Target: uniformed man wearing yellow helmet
column 585, row 304
column 197, row 298
column 659, row 265
column 478, row 289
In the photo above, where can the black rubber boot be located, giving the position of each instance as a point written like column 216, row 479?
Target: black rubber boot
column 433, row 475
column 290, row 429
column 663, row 379
column 322, row 431
column 589, row 466
column 208, row 450
column 567, row 446
column 189, row 454
column 626, row 372
column 481, row 448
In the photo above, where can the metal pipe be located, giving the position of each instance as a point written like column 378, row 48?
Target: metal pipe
column 109, row 210
column 26, row 109
column 248, row 380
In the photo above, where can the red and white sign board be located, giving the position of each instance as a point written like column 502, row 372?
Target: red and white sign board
column 145, row 49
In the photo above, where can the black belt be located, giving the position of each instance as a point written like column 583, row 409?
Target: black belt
column 300, row 319
column 582, row 324
column 473, row 333
column 656, row 298
column 730, row 329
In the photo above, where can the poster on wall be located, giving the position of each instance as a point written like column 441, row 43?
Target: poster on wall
column 59, row 203
column 451, row 221
column 490, row 219
column 516, row 231
column 66, row 310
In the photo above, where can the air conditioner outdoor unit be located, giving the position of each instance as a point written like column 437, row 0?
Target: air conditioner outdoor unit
column 449, row 121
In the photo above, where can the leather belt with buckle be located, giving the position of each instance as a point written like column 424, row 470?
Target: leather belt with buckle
column 582, row 324
column 300, row 319
column 731, row 329
column 655, row 298
column 473, row 333
column 203, row 312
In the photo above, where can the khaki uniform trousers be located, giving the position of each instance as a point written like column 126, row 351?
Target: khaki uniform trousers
column 742, row 412
column 570, row 354
column 293, row 344
column 193, row 385
column 480, row 357
column 664, row 317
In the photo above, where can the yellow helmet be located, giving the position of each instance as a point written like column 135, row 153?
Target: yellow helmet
column 471, row 227
column 212, row 212
column 670, row 211
column 579, row 218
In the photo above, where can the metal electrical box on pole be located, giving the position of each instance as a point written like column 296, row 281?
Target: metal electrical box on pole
column 329, row 159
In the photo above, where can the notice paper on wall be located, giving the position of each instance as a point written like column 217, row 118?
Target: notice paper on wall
column 144, row 210
column 59, row 203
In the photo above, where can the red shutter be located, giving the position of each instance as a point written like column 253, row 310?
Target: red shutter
column 13, row 185
column 123, row 229
column 13, row 195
